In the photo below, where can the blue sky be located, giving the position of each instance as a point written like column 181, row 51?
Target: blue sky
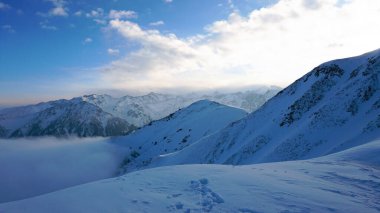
column 53, row 49
column 37, row 47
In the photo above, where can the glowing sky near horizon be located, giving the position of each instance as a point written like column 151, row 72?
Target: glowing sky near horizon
column 53, row 49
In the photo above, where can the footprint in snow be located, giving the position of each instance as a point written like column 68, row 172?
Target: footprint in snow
column 208, row 198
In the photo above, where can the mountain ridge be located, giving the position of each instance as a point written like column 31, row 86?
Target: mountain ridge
column 176, row 131
column 333, row 107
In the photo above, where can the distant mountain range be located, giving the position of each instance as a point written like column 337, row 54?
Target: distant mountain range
column 104, row 115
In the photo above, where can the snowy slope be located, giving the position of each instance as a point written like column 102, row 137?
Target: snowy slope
column 140, row 110
column 176, row 131
column 334, row 107
column 61, row 118
column 344, row 182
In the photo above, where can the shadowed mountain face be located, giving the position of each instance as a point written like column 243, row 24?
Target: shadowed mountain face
column 334, row 107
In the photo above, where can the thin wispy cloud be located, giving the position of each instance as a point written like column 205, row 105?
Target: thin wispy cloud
column 99, row 16
column 8, row 28
column 4, row 6
column 113, row 52
column 47, row 26
column 122, row 14
column 59, row 9
column 98, row 12
column 87, row 40
column 78, row 13
column 157, row 23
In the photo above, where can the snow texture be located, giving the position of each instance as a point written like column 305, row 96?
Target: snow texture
column 343, row 182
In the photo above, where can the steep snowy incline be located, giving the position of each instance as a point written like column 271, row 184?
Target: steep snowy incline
column 176, row 131
column 61, row 118
column 334, row 107
column 346, row 182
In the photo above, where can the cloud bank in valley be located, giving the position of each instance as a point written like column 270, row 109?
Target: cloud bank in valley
column 273, row 45
column 29, row 167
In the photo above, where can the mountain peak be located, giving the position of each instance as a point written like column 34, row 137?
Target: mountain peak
column 204, row 102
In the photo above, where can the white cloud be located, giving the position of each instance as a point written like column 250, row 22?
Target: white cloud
column 98, row 12
column 122, row 14
column 100, row 21
column 19, row 12
column 168, row 1
column 4, row 6
column 8, row 28
column 113, row 51
column 58, row 11
column 78, row 13
column 157, row 23
column 97, row 15
column 47, row 26
column 273, row 45
column 231, row 5
column 59, row 8
column 87, row 40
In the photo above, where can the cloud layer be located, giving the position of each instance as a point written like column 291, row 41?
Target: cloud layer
column 30, row 167
column 273, row 45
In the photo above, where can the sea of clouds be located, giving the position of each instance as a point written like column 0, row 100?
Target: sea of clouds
column 34, row 166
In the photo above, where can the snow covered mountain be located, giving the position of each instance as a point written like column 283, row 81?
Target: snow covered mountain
column 176, row 131
column 141, row 110
column 334, row 107
column 104, row 115
column 343, row 182
column 61, row 118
